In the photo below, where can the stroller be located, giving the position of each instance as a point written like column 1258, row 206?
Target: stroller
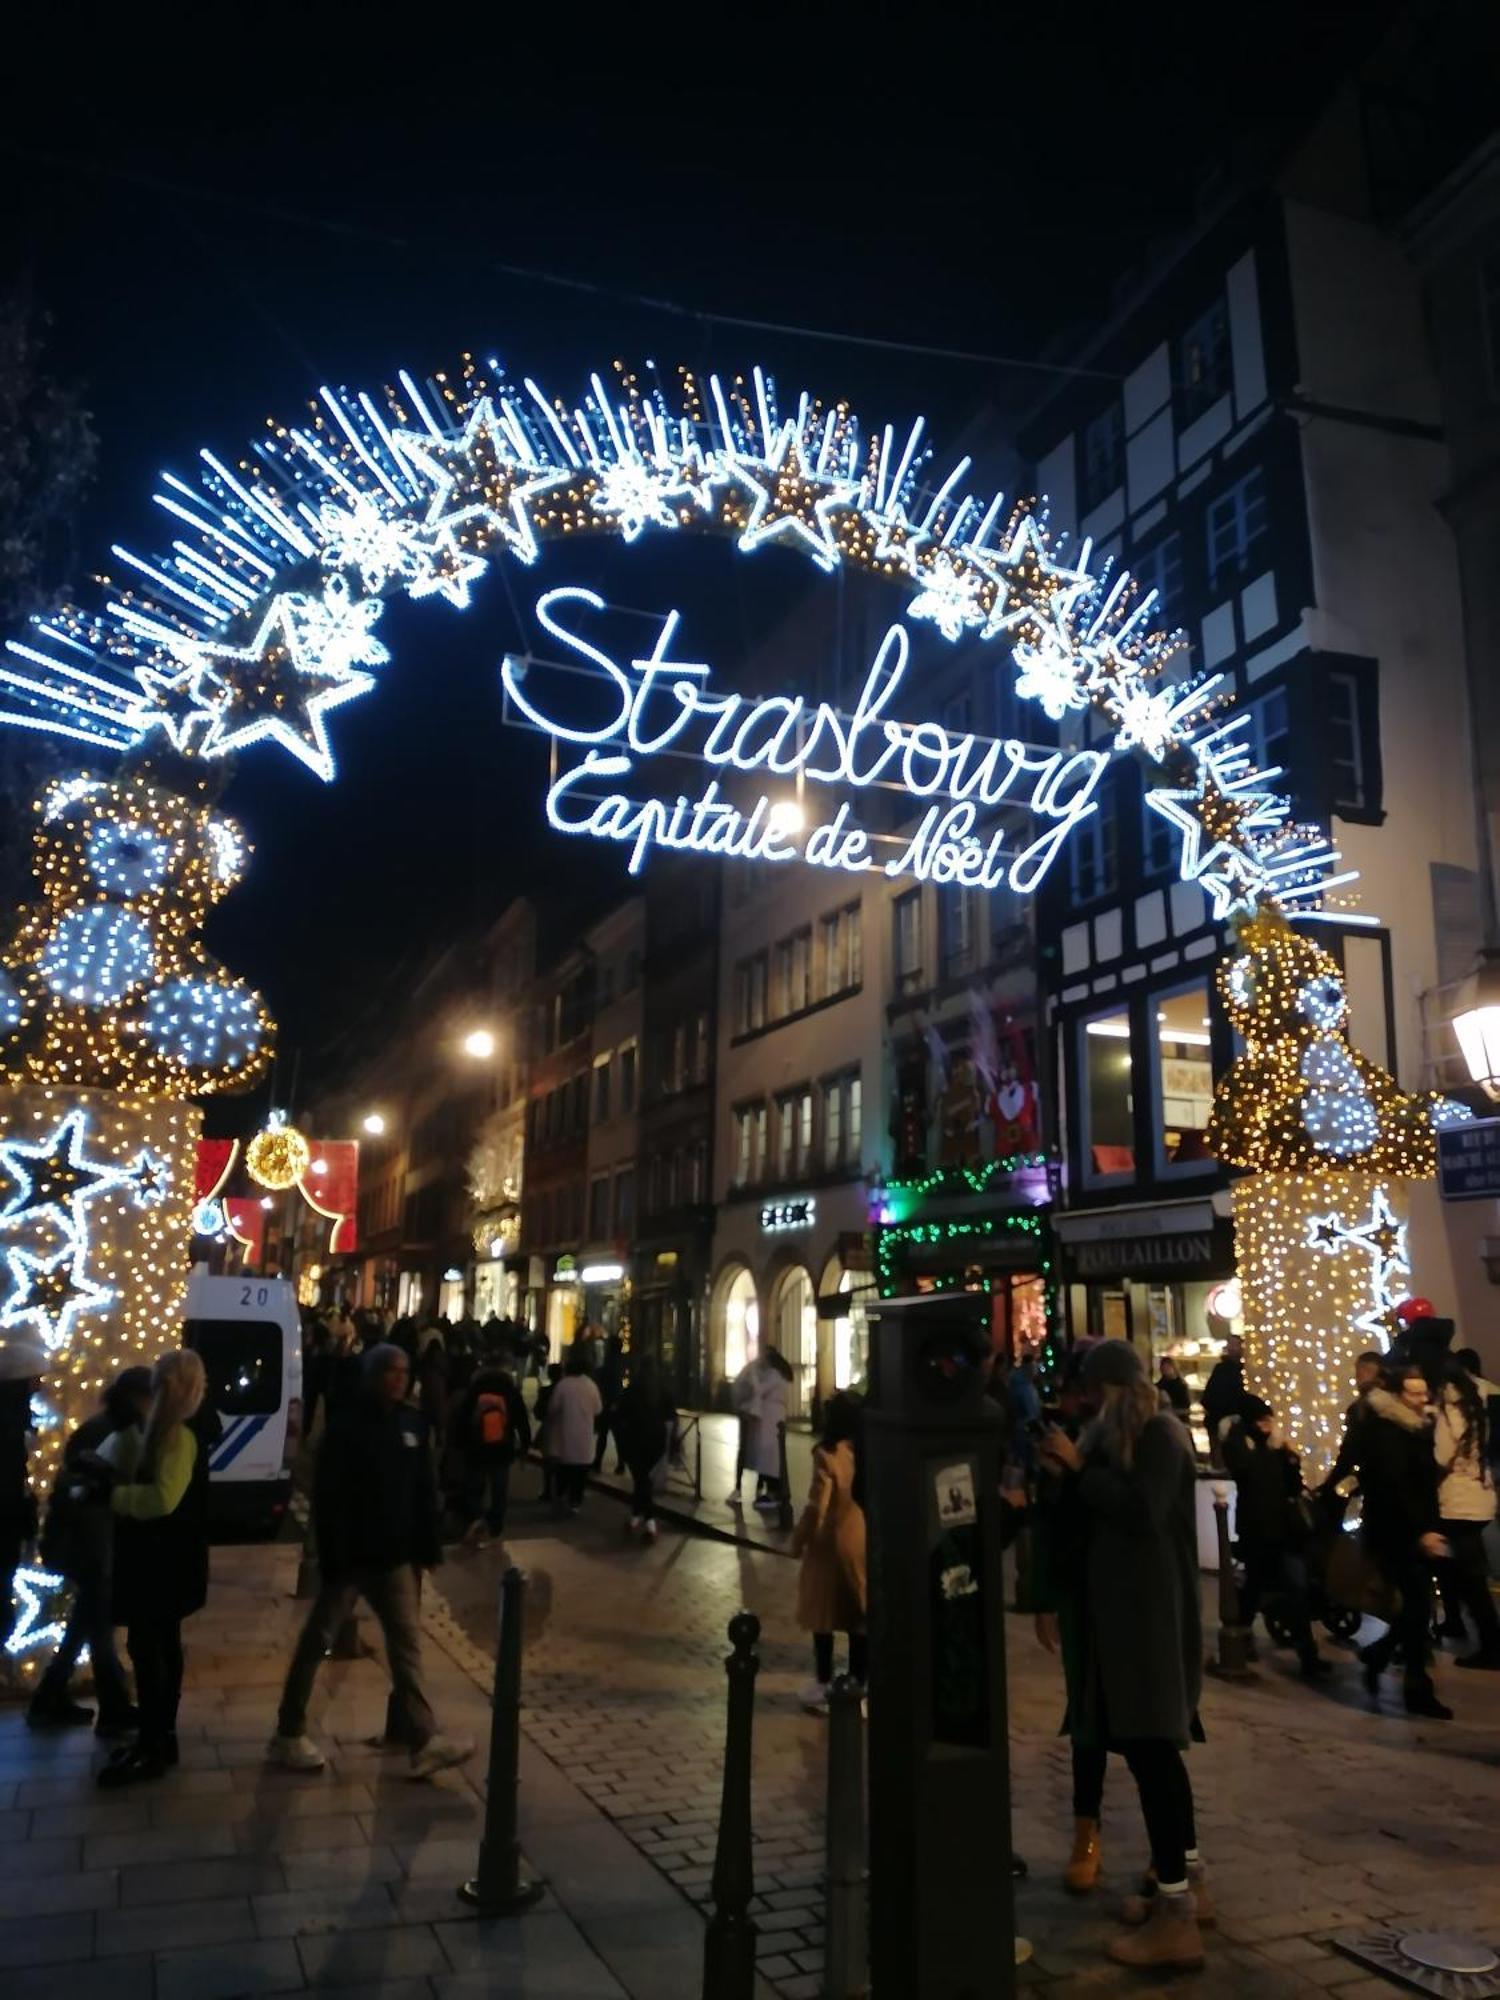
column 1332, row 1556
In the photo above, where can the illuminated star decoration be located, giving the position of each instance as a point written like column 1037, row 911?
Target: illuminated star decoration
column 51, row 1293
column 150, row 1180
column 480, row 480
column 1382, row 1238
column 175, row 702
column 31, row 1587
column 793, row 502
column 53, row 1173
column 273, row 689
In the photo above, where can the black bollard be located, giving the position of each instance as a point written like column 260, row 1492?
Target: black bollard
column 786, row 1520
column 500, row 1889
column 846, row 1973
column 729, row 1948
column 1233, row 1662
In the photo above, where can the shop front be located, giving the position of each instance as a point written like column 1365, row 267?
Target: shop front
column 975, row 1228
column 1161, row 1275
column 792, row 1271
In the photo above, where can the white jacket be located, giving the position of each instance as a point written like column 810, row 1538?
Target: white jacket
column 768, row 1412
column 571, row 1410
column 1466, row 1489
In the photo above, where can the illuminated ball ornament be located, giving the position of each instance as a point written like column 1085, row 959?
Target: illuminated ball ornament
column 209, row 1023
column 278, row 1156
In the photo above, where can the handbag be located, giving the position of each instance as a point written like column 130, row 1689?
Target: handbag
column 1355, row 1580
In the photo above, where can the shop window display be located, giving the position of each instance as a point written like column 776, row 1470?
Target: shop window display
column 1108, row 1097
column 1184, row 1078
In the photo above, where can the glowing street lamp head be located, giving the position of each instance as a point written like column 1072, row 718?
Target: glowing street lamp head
column 374, row 1123
column 480, row 1044
column 788, row 817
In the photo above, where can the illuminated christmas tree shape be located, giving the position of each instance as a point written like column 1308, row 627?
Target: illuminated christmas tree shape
column 109, row 981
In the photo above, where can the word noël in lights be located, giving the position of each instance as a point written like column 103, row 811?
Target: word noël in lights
column 659, row 704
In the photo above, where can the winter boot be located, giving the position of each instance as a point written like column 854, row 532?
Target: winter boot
column 1136, row 1909
column 1082, row 1871
column 1168, row 1941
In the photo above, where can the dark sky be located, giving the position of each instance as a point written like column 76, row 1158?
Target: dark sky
column 213, row 247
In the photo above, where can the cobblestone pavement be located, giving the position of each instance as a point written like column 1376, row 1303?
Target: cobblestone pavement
column 1316, row 1814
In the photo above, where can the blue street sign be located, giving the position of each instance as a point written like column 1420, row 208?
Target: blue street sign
column 1469, row 1160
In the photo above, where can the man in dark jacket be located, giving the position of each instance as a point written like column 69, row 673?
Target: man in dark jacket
column 1269, row 1526
column 376, row 1519
column 1401, row 1527
column 489, row 1431
column 1366, row 1377
column 1223, row 1393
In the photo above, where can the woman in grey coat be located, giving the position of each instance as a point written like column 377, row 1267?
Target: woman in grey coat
column 1142, row 1666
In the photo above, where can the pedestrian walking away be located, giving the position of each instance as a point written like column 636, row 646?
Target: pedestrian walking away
column 160, row 1504
column 551, row 1481
column 1273, row 1526
column 490, row 1431
column 1143, row 1665
column 572, row 1414
column 765, row 1413
column 830, row 1538
column 1398, row 1477
column 1223, row 1393
column 645, row 1428
column 78, row 1539
column 376, row 1525
column 611, row 1385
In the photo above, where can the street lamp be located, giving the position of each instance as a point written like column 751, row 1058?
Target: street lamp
column 480, row 1044
column 1476, row 1022
column 374, row 1124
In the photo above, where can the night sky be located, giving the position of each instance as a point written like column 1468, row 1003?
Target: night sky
column 211, row 253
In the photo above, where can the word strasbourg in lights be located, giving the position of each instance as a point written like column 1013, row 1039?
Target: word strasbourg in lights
column 659, row 704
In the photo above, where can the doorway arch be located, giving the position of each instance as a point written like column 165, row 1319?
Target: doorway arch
column 736, row 1320
column 793, row 1328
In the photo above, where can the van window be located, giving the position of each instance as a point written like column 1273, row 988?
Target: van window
column 242, row 1359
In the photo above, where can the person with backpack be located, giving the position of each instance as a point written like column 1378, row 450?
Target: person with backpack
column 490, row 1430
column 78, row 1540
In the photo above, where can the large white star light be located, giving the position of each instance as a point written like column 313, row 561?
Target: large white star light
column 51, row 1293
column 1226, row 794
column 482, row 477
column 32, row 1588
column 1382, row 1238
column 54, row 1174
column 273, row 690
column 176, row 702
column 793, row 504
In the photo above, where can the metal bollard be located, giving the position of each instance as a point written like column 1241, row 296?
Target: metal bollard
column 729, row 1947
column 1233, row 1662
column 786, row 1519
column 500, row 1889
column 846, row 1974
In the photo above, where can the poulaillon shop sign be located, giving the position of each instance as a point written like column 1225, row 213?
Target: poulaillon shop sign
column 657, row 704
column 1109, row 1257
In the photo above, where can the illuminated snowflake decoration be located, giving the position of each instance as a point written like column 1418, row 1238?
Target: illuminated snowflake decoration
column 221, row 641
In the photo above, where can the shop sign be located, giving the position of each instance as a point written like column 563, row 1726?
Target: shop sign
column 778, row 1216
column 1469, row 1160
column 1125, row 1256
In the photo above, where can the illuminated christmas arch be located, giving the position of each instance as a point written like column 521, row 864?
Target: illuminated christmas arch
column 259, row 621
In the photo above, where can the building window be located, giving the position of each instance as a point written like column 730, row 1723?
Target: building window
column 599, row 1208
column 1093, row 869
column 794, row 1126
column 840, row 964
column 677, row 1058
column 908, row 934
column 1103, row 456
column 1271, row 730
column 842, row 1120
column 581, row 1103
column 627, row 1077
column 1184, row 1077
column 957, row 928
column 799, row 985
column 1236, row 521
column 750, row 994
column 1158, row 841
column 1346, row 762
column 956, row 714
column 1204, row 361
column 1108, row 1098
column 601, row 1089
column 695, row 1172
column 749, row 1143
column 625, row 1203
column 631, row 977
column 1160, row 569
column 698, row 1069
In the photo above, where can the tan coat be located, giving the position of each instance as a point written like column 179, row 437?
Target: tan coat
column 830, row 1539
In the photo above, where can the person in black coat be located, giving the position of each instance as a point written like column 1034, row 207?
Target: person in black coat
column 375, row 1516
column 1270, row 1526
column 1223, row 1393
column 1366, row 1377
column 645, row 1421
column 79, row 1539
column 1172, row 1390
column 1398, row 1477
column 489, row 1431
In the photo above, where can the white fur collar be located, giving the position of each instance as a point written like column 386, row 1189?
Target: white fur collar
column 1384, row 1404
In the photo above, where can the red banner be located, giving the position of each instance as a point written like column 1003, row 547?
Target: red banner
column 215, row 1159
column 331, row 1186
column 247, row 1225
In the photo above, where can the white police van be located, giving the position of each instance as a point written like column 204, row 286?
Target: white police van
column 249, row 1334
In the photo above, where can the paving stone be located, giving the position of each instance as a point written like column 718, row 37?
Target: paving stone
column 99, row 1979
column 98, row 1889
column 362, row 1958
column 167, row 1926
column 46, row 1940
column 228, row 1972
column 186, row 1881
column 305, row 1912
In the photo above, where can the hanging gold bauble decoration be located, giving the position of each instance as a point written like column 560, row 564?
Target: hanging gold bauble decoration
column 278, row 1156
